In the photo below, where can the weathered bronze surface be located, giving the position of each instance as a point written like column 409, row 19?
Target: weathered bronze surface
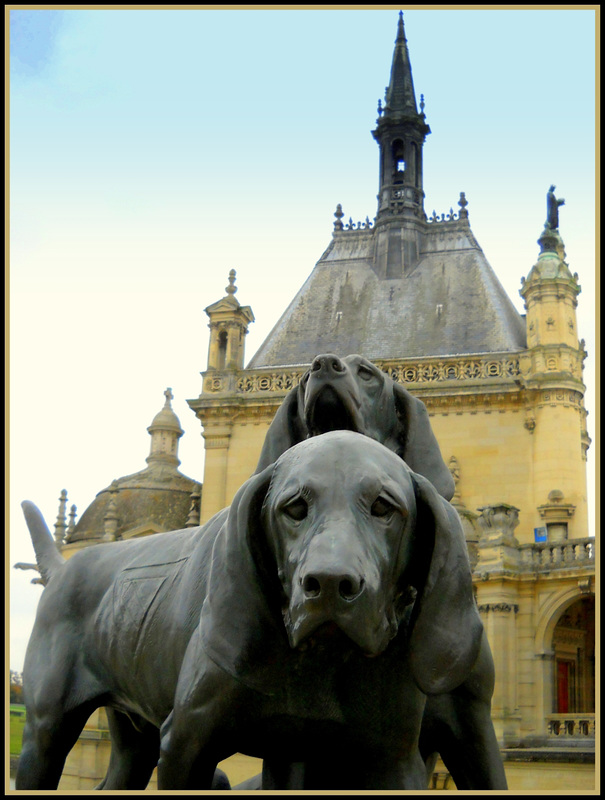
column 325, row 622
column 552, row 208
column 305, row 625
column 351, row 393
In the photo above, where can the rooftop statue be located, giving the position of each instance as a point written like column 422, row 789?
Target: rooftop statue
column 552, row 209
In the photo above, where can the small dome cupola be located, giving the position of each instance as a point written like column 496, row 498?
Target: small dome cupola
column 165, row 431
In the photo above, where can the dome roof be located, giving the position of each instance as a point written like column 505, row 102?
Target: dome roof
column 158, row 498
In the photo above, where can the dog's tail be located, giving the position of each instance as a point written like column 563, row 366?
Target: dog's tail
column 49, row 559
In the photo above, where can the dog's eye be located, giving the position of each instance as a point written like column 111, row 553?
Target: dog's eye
column 365, row 374
column 297, row 509
column 382, row 508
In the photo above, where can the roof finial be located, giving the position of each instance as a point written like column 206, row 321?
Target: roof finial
column 422, row 102
column 110, row 520
column 339, row 215
column 231, row 289
column 400, row 30
column 169, row 396
column 463, row 202
column 72, row 523
column 61, row 523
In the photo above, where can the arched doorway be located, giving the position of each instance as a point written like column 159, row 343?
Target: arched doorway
column 574, row 652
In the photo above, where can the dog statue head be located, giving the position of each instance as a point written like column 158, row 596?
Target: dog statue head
column 340, row 535
column 352, row 394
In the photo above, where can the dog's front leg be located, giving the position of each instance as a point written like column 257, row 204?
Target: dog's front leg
column 196, row 735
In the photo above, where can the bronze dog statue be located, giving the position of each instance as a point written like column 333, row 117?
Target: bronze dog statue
column 351, row 393
column 305, row 625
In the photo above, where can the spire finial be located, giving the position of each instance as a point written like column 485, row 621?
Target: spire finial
column 169, row 396
column 400, row 30
column 61, row 523
column 110, row 520
column 232, row 288
column 463, row 202
column 400, row 95
column 339, row 215
column 72, row 523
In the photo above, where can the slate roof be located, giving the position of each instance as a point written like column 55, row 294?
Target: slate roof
column 449, row 303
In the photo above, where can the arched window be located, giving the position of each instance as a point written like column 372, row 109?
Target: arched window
column 222, row 350
column 398, row 160
column 574, row 648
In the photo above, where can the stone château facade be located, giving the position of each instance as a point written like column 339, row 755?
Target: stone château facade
column 504, row 391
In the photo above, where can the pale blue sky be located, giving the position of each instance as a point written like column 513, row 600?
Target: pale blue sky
column 151, row 151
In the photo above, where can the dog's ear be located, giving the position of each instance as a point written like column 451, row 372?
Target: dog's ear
column 286, row 429
column 420, row 449
column 446, row 627
column 241, row 623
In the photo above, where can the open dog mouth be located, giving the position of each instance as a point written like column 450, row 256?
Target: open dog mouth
column 327, row 411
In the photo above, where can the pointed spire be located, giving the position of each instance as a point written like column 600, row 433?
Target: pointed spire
column 193, row 519
column 110, row 520
column 61, row 523
column 72, row 523
column 400, row 96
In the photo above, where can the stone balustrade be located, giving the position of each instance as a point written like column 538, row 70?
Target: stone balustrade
column 546, row 556
column 579, row 727
column 409, row 371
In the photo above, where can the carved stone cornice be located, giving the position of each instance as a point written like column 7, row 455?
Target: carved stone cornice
column 500, row 607
column 482, row 383
column 557, row 364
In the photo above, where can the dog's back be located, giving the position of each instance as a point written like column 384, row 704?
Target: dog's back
column 103, row 612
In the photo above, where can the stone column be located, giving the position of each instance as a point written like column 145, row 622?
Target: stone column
column 216, row 441
column 498, row 605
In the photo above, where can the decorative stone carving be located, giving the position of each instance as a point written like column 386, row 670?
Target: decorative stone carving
column 338, row 226
column 556, row 514
column 502, row 607
column 498, row 522
column 110, row 519
column 498, row 546
column 193, row 520
column 61, row 523
column 468, row 518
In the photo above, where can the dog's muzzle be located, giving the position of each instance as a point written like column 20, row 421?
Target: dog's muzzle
column 331, row 397
column 325, row 597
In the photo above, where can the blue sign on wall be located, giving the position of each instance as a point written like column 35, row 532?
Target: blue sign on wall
column 540, row 534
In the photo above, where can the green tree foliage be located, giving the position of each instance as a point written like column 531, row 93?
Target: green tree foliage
column 16, row 686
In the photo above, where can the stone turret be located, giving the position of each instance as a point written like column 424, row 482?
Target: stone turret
column 552, row 368
column 400, row 132
column 228, row 326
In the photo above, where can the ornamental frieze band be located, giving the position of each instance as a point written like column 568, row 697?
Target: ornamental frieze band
column 498, row 607
column 426, row 371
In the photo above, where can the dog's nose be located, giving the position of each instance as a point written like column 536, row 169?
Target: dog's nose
column 329, row 585
column 327, row 363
